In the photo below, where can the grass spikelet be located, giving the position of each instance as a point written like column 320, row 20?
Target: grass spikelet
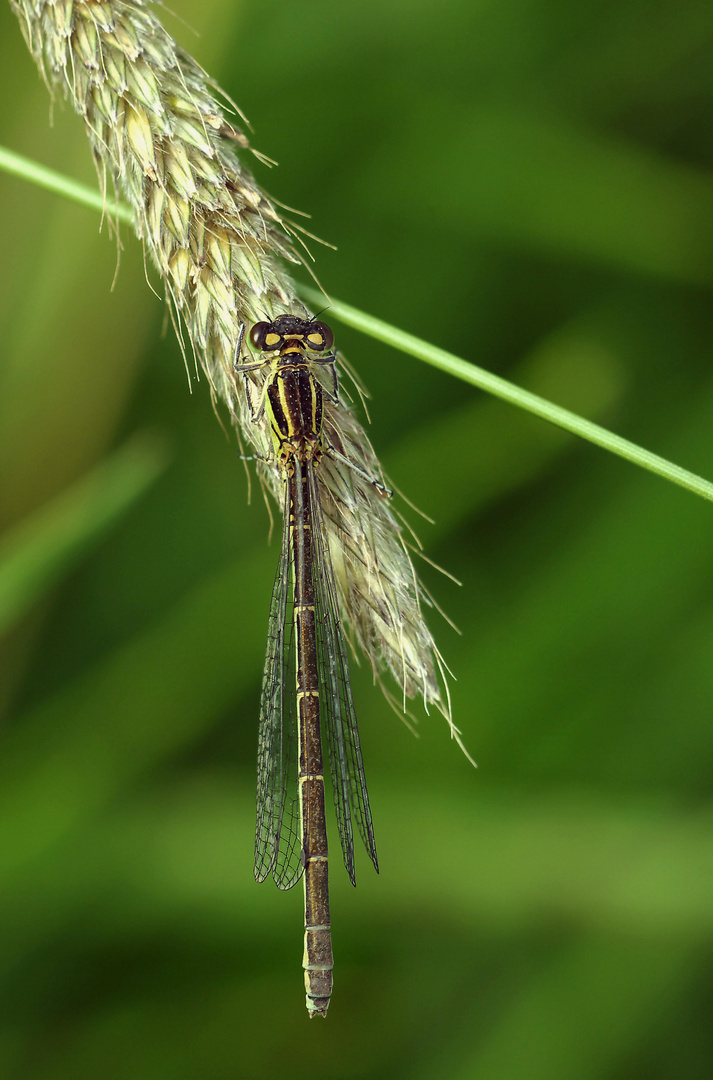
column 156, row 127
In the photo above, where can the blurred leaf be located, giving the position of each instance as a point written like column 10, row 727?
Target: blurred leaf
column 144, row 701
column 539, row 180
column 513, row 861
column 43, row 548
column 581, row 1014
column 631, row 883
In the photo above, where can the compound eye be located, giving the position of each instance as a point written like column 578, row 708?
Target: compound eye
column 257, row 334
column 264, row 337
column 320, row 337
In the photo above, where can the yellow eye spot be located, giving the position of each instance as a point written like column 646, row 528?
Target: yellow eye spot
column 272, row 339
column 315, row 339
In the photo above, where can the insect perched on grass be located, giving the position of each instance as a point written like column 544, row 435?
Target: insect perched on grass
column 306, row 678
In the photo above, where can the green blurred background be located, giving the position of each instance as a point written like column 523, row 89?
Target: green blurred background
column 530, row 185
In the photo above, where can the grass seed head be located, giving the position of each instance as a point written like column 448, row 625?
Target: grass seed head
column 156, row 127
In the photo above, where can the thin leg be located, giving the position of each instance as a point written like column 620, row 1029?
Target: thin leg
column 331, row 359
column 238, row 347
column 382, row 489
column 242, row 369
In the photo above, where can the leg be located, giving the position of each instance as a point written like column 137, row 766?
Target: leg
column 254, row 457
column 331, row 359
column 238, row 347
column 381, row 489
column 241, row 369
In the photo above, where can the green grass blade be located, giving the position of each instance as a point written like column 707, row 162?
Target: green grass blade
column 514, row 395
column 18, row 165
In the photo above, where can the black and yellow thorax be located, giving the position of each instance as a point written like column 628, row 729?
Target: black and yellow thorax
column 294, row 405
column 294, row 399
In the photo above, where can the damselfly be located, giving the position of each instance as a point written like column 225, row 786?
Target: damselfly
column 305, row 686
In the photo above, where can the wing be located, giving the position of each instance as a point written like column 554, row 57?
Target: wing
column 278, row 847
column 346, row 764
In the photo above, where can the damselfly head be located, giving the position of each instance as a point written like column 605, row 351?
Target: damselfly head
column 291, row 330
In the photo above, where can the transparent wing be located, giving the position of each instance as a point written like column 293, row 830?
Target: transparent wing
column 346, row 764
column 278, row 846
